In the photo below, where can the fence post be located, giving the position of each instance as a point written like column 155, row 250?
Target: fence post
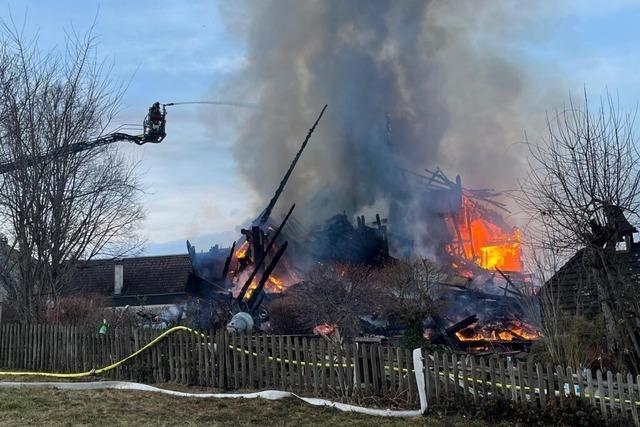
column 632, row 399
column 419, row 371
column 611, row 393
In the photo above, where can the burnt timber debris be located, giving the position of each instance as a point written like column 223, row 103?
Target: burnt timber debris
column 233, row 286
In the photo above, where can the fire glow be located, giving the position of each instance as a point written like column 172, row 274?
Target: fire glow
column 503, row 331
column 483, row 241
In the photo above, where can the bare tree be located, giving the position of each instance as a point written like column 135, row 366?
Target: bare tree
column 63, row 208
column 582, row 177
column 411, row 287
column 335, row 294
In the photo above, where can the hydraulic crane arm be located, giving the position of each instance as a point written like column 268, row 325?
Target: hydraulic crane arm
column 154, row 132
column 69, row 149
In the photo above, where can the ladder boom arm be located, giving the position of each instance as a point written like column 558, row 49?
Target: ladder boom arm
column 10, row 166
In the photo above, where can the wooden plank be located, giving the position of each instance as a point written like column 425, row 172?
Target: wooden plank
column 291, row 366
column 483, row 377
column 428, row 381
column 298, row 365
column 259, row 361
column 348, row 371
column 521, row 384
column 456, row 374
column 304, row 369
column 283, row 365
column 222, row 353
column 592, row 397
column 366, row 378
column 492, row 377
column 506, row 392
column 266, row 364
column 274, row 362
column 601, row 393
column 464, row 375
column 611, row 393
column 251, row 360
column 571, row 382
column 411, row 378
column 172, row 358
column 632, row 399
column 324, row 367
column 474, row 379
column 512, row 380
column 313, row 359
column 580, row 381
column 228, row 360
column 531, row 384
column 377, row 369
column 382, row 370
column 542, row 391
column 3, row 345
column 447, row 377
column 561, row 382
column 436, row 380
column 237, row 342
column 621, row 394
column 212, row 358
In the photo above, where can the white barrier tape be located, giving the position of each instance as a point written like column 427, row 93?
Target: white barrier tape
column 267, row 394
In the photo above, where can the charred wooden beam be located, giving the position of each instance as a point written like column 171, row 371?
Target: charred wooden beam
column 227, row 262
column 264, row 216
column 256, row 295
column 463, row 324
column 259, row 263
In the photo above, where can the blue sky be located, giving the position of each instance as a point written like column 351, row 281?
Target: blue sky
column 180, row 51
column 167, row 51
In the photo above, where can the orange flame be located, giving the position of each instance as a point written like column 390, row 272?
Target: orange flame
column 242, row 250
column 273, row 285
column 506, row 331
column 481, row 240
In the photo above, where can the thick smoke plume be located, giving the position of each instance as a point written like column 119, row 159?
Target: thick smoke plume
column 410, row 84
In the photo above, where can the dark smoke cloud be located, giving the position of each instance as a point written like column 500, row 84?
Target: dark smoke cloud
column 430, row 70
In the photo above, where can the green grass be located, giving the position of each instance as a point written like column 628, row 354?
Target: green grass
column 114, row 407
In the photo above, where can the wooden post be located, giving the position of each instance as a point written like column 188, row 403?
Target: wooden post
column 298, row 365
column 314, row 359
column 447, row 379
column 483, row 377
column 621, row 394
column 611, row 393
column 521, row 385
column 512, row 380
column 542, row 392
column 592, row 397
column 456, row 374
column 492, row 377
column 465, row 387
column 474, row 380
column 436, row 378
column 274, row 362
column 632, row 399
column 601, row 393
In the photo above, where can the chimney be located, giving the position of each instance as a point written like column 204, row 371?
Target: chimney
column 118, row 277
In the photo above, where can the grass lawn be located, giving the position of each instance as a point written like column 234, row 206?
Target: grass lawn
column 114, row 407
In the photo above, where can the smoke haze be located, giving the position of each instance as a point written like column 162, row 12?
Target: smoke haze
column 410, row 84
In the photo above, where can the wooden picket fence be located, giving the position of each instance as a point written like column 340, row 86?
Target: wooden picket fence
column 450, row 376
column 310, row 366
column 304, row 365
